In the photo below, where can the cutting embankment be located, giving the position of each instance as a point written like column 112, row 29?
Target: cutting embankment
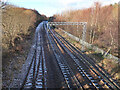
column 18, row 31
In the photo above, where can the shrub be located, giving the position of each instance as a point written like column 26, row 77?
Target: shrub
column 17, row 22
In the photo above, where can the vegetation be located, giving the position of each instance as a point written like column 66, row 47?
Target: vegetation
column 102, row 31
column 102, row 25
column 17, row 22
column 18, row 27
column 110, row 66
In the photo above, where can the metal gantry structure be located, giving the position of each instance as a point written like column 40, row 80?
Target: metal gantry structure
column 51, row 52
column 83, row 24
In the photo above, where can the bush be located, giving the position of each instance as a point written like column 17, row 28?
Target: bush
column 17, row 22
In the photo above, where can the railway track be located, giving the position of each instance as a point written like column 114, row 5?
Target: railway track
column 55, row 63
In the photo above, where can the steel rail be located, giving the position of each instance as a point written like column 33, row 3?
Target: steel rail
column 89, row 77
column 103, row 74
column 58, row 60
column 62, row 63
column 32, row 78
column 41, row 74
column 26, row 77
column 79, row 53
column 75, row 60
column 37, row 60
column 38, row 80
column 57, row 57
column 30, row 66
column 78, row 84
column 36, row 76
column 44, row 66
column 85, row 64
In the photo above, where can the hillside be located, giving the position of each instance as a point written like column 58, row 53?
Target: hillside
column 18, row 27
column 102, row 31
column 17, row 22
column 102, row 25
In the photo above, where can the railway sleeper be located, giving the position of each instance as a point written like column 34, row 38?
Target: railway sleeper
column 97, row 75
column 72, row 56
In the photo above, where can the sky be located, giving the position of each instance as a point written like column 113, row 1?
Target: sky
column 51, row 7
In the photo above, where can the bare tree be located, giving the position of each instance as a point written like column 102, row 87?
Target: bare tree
column 94, row 20
column 3, row 4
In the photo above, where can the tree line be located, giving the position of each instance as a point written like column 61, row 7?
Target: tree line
column 102, row 25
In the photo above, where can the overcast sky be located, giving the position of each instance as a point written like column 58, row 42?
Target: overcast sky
column 50, row 7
